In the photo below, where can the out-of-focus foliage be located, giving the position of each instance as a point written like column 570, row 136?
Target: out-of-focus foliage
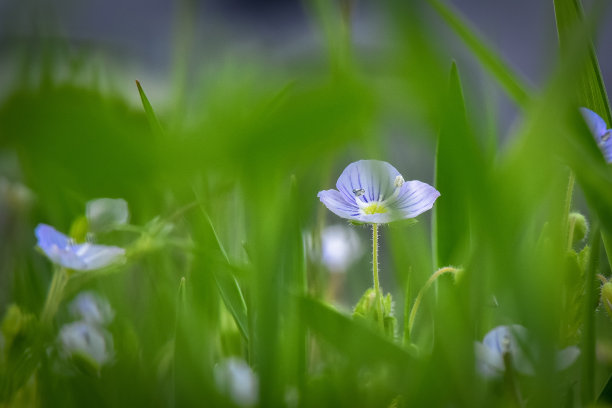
column 218, row 295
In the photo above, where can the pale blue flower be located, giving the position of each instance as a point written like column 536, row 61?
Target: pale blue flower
column 91, row 308
column 87, row 342
column 513, row 340
column 340, row 247
column 81, row 257
column 234, row 378
column 373, row 191
column 104, row 214
column 600, row 132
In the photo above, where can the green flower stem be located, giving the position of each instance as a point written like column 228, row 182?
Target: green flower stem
column 419, row 298
column 511, row 382
column 379, row 297
column 569, row 229
column 54, row 296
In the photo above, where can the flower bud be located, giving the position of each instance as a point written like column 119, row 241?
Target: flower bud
column 581, row 227
column 606, row 297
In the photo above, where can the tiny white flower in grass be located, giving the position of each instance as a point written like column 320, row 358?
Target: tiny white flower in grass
column 86, row 342
column 235, row 379
column 91, row 308
column 374, row 192
column 81, row 257
column 104, row 214
column 514, row 341
column 340, row 248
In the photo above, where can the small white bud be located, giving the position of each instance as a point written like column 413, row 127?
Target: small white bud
column 399, row 181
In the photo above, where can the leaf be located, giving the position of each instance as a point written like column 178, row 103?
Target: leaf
column 228, row 286
column 151, row 116
column 458, row 165
column 510, row 80
column 357, row 341
column 591, row 90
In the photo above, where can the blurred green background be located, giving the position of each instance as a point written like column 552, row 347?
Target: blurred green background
column 257, row 106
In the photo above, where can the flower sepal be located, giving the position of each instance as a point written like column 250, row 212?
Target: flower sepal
column 366, row 311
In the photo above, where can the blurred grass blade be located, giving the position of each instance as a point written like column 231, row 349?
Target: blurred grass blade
column 228, row 286
column 456, row 159
column 591, row 90
column 151, row 116
column 341, row 332
column 514, row 85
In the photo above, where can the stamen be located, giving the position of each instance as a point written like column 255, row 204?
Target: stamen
column 374, row 208
column 399, row 180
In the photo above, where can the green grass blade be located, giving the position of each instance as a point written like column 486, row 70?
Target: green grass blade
column 228, row 286
column 515, row 86
column 457, row 159
column 591, row 89
column 151, row 116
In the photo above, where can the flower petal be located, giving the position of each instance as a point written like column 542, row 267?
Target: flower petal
column 606, row 147
column 48, row 237
column 337, row 203
column 97, row 256
column 375, row 177
column 415, row 197
column 595, row 123
column 567, row 356
column 489, row 363
column 103, row 214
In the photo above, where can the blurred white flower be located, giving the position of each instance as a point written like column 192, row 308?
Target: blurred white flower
column 235, row 379
column 340, row 248
column 85, row 341
column 514, row 341
column 91, row 308
column 104, row 214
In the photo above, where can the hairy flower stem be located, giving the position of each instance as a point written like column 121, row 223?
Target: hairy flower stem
column 569, row 229
column 379, row 297
column 54, row 296
column 419, row 298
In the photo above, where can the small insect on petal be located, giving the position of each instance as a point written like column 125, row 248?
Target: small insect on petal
column 358, row 192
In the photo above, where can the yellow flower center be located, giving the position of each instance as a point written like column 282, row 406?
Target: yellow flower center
column 374, row 208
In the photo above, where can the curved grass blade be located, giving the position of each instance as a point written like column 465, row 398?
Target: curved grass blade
column 357, row 341
column 515, row 86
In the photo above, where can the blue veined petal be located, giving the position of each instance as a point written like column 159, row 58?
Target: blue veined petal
column 48, row 238
column 595, row 123
column 606, row 147
column 97, row 256
column 337, row 203
column 415, row 197
column 375, row 177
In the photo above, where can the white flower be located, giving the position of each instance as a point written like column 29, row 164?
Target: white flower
column 86, row 341
column 91, row 308
column 340, row 247
column 514, row 341
column 235, row 379
column 104, row 214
